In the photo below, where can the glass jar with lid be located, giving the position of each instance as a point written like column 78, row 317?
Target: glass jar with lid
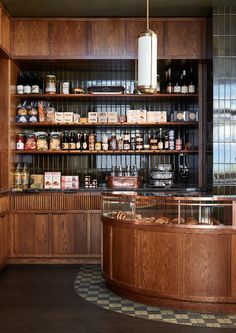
column 50, row 84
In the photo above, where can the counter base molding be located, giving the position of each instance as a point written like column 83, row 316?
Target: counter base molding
column 171, row 265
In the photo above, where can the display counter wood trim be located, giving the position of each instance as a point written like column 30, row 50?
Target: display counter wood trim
column 169, row 123
column 105, row 152
column 165, row 265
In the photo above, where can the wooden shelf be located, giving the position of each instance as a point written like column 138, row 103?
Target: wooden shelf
column 102, row 152
column 170, row 123
column 94, row 96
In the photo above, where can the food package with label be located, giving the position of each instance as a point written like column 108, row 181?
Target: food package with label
column 36, row 181
column 92, row 117
column 52, row 180
column 156, row 116
column 70, row 182
column 68, row 117
column 112, row 117
column 102, row 117
column 59, row 117
column 76, row 118
column 136, row 116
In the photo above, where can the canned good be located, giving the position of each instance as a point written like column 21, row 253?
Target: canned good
column 50, row 87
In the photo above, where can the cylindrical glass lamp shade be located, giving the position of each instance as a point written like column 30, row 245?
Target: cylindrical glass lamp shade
column 147, row 62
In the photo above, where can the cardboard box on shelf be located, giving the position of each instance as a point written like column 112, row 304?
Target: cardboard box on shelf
column 36, row 181
column 136, row 116
column 70, row 182
column 52, row 180
column 112, row 117
column 92, row 117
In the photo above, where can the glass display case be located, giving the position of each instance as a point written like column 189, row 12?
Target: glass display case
column 152, row 209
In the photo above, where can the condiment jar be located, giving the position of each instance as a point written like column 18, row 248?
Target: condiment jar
column 50, row 84
column 20, row 142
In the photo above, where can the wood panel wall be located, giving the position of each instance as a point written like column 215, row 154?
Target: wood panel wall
column 106, row 38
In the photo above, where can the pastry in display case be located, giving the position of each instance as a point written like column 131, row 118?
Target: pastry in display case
column 167, row 210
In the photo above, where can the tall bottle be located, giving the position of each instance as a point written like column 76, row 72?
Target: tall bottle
column 35, row 89
column 191, row 84
column 160, row 139
column 20, row 84
column 169, row 84
column 17, row 177
column 25, row 177
column 27, row 84
column 184, row 84
column 176, row 88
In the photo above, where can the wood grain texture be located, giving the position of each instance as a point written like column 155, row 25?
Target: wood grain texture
column 233, row 265
column 30, row 38
column 134, row 28
column 5, row 30
column 184, row 39
column 69, row 38
column 159, row 262
column 108, row 38
column 31, row 234
column 106, row 249
column 95, row 233
column 4, row 124
column 206, row 270
column 28, row 202
column 69, row 233
column 71, row 201
column 4, row 240
column 123, row 255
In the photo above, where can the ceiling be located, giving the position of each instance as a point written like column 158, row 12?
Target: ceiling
column 110, row 8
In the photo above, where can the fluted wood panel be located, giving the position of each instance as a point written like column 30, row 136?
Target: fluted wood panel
column 70, row 201
column 108, row 38
column 31, row 38
column 214, row 277
column 95, row 233
column 31, row 202
column 69, row 233
column 31, row 233
column 162, row 272
column 69, row 38
column 95, row 202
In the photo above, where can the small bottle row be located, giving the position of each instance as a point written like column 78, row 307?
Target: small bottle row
column 72, row 140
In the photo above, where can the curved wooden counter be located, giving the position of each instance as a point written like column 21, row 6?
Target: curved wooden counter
column 190, row 267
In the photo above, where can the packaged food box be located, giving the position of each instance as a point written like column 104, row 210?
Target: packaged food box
column 36, row 181
column 59, row 117
column 76, row 118
column 68, row 117
column 112, row 117
column 136, row 116
column 52, row 180
column 102, row 117
column 92, row 117
column 156, row 116
column 70, row 182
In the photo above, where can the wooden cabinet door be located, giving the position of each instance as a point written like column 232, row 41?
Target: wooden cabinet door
column 5, row 30
column 69, row 38
column 31, row 38
column 134, row 28
column 184, row 39
column 95, row 233
column 108, row 38
column 3, row 239
column 69, row 233
column 31, row 233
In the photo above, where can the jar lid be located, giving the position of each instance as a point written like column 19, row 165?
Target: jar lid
column 51, row 76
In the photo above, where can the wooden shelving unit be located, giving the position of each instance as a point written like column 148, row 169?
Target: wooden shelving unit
column 167, row 124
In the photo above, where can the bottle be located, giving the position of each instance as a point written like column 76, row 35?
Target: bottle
column 139, row 142
column 84, row 142
column 169, row 85
column 166, row 142
column 91, row 141
column 78, row 144
column 20, row 84
column 120, row 143
column 191, row 84
column 132, row 143
column 177, row 88
column 35, row 84
column 146, row 144
column 27, row 84
column 158, row 88
column 160, row 139
column 20, row 142
column 126, row 140
column 184, row 86
column 25, row 177
column 105, row 143
column 17, row 177
column 65, row 140
column 112, row 142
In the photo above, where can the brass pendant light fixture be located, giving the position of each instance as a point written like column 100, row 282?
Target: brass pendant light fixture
column 147, row 59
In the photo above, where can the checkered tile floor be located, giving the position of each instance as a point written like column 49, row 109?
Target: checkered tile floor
column 90, row 285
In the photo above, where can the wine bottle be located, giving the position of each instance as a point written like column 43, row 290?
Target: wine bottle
column 20, row 84
column 169, row 85
column 184, row 85
column 177, row 88
column 27, row 84
column 34, row 84
column 191, row 84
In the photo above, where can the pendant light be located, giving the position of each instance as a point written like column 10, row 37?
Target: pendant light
column 147, row 59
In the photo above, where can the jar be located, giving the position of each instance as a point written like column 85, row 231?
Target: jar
column 92, row 141
column 139, row 142
column 42, row 142
column 50, row 84
column 112, row 142
column 98, row 146
column 20, row 142
column 65, row 88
